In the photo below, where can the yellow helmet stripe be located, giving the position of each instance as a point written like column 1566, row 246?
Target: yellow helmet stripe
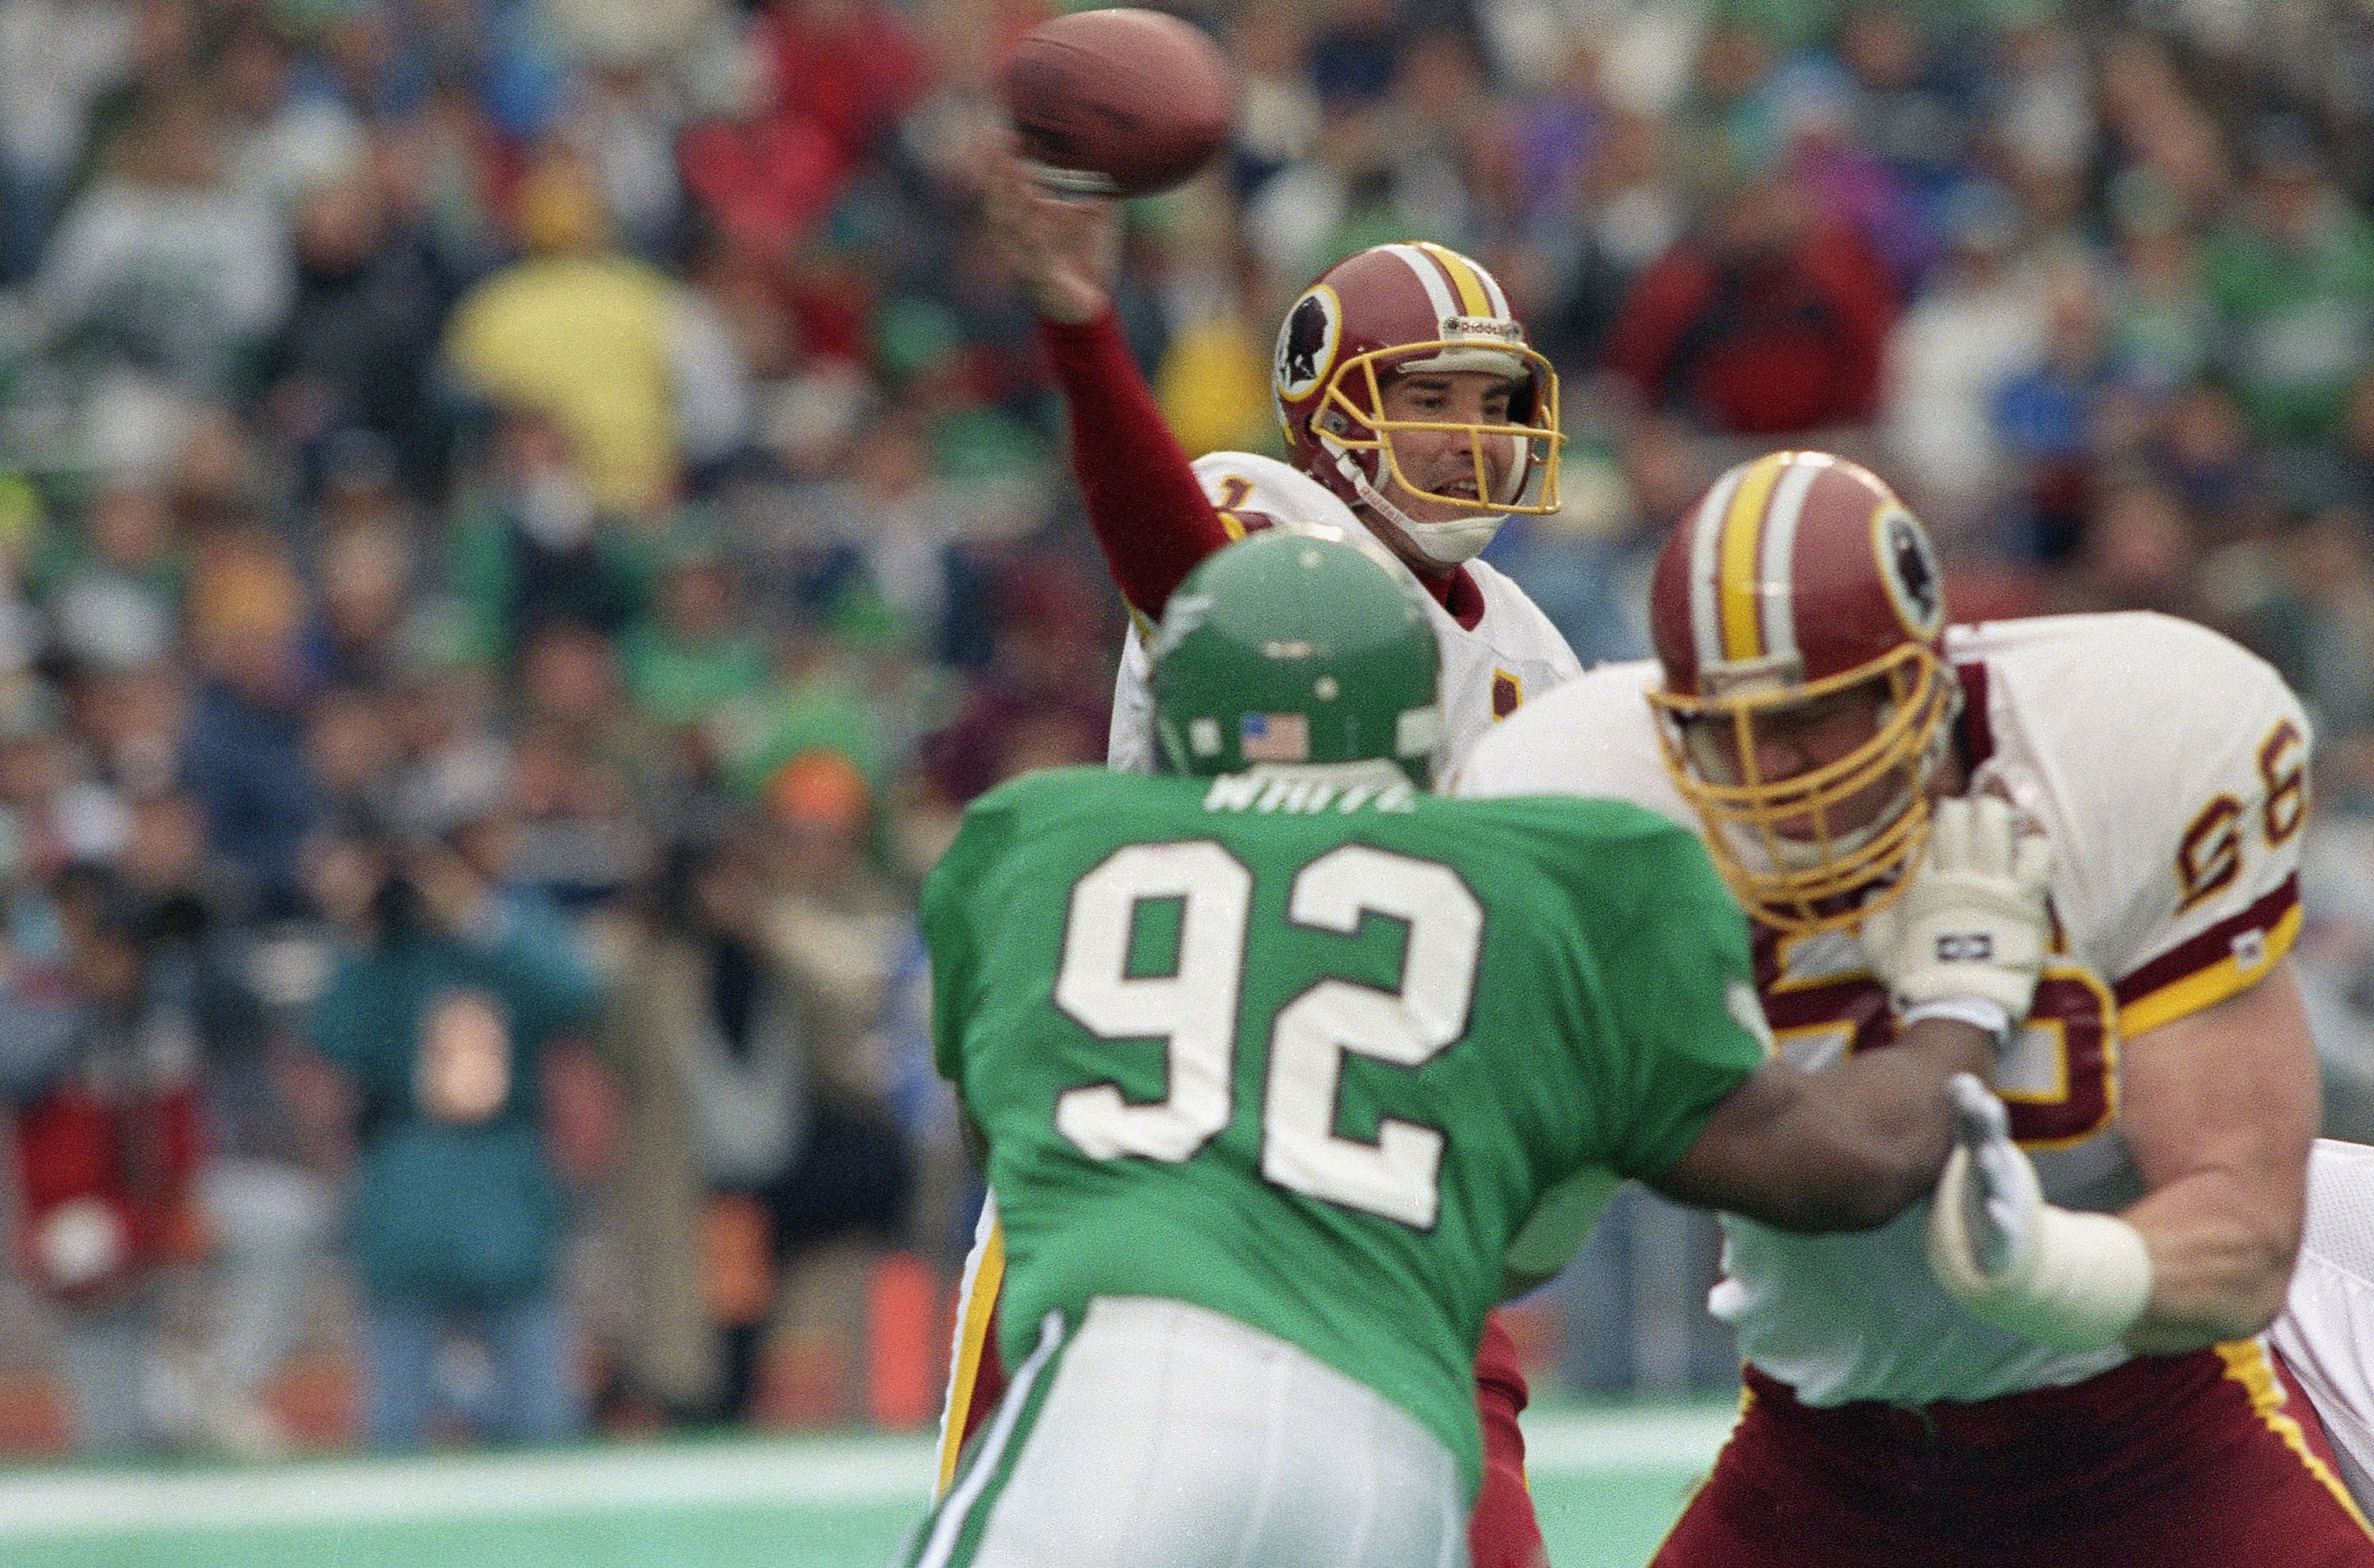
column 1473, row 301
column 1743, row 532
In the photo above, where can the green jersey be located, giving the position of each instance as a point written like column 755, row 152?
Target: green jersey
column 1308, row 1054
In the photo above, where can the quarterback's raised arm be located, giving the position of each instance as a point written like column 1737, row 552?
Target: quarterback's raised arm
column 1151, row 517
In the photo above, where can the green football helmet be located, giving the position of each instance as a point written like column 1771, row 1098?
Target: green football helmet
column 1295, row 647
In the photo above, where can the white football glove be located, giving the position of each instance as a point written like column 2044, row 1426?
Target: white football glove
column 2064, row 1277
column 1967, row 938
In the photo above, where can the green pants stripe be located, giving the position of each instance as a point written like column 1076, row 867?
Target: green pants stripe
column 956, row 1528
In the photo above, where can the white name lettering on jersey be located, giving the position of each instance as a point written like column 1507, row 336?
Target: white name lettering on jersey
column 1305, row 795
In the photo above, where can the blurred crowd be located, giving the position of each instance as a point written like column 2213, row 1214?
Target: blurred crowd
column 523, row 521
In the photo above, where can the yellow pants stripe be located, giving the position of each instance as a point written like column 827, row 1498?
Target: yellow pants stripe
column 2246, row 1363
column 979, row 1301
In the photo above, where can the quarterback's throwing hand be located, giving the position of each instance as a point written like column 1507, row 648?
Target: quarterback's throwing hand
column 2071, row 1280
column 1064, row 250
column 1967, row 938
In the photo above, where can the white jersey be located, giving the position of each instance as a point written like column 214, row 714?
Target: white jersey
column 1512, row 654
column 2167, row 766
column 2326, row 1334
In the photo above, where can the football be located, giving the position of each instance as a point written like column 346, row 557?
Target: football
column 1121, row 102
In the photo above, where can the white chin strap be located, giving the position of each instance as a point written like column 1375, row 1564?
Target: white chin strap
column 1453, row 544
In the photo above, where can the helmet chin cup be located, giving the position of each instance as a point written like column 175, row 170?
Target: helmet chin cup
column 1452, row 543
column 1459, row 541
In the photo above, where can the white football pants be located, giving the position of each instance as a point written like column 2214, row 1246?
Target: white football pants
column 1157, row 1435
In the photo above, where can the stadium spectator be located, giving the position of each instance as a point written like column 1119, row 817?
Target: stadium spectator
column 266, row 1204
column 366, row 597
column 2291, row 274
column 1036, row 704
column 761, row 172
column 242, row 753
column 692, row 652
column 1977, row 322
column 55, row 57
column 614, row 350
column 282, row 144
column 835, row 925
column 531, row 545
column 2047, row 414
column 712, row 1036
column 115, row 591
column 442, row 1012
column 163, row 269
column 854, row 64
column 109, row 1144
column 1769, row 320
column 356, row 351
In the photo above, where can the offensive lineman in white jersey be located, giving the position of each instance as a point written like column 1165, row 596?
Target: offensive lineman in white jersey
column 2106, row 1399
column 1417, row 419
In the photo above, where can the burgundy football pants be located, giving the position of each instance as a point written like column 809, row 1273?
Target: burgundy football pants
column 2207, row 1460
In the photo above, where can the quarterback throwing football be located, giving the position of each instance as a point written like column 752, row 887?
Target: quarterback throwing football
column 1417, row 419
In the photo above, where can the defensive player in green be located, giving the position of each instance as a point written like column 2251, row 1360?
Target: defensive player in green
column 1278, row 1054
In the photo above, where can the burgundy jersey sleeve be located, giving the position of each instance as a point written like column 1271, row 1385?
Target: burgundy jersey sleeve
column 1149, row 512
column 1502, row 1532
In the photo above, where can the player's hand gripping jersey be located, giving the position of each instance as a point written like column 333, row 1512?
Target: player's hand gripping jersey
column 1308, row 1054
column 1497, row 649
column 2173, row 888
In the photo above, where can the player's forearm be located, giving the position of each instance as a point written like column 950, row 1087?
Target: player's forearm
column 1150, row 514
column 1885, row 1117
column 2221, row 1260
column 1844, row 1150
column 2219, row 1108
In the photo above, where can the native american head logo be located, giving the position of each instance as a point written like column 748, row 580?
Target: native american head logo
column 1305, row 344
column 1909, row 566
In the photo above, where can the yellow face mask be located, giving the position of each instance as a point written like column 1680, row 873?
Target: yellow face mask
column 1357, row 423
column 1817, row 848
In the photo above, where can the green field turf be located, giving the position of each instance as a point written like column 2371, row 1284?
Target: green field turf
column 1608, row 1483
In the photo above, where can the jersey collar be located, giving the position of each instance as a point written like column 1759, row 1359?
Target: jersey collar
column 1459, row 594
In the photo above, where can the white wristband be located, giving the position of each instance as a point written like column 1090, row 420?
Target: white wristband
column 2078, row 1283
column 1975, row 1011
column 2091, row 1279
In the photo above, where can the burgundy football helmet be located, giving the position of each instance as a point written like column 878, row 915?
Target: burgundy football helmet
column 1414, row 307
column 1799, row 580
